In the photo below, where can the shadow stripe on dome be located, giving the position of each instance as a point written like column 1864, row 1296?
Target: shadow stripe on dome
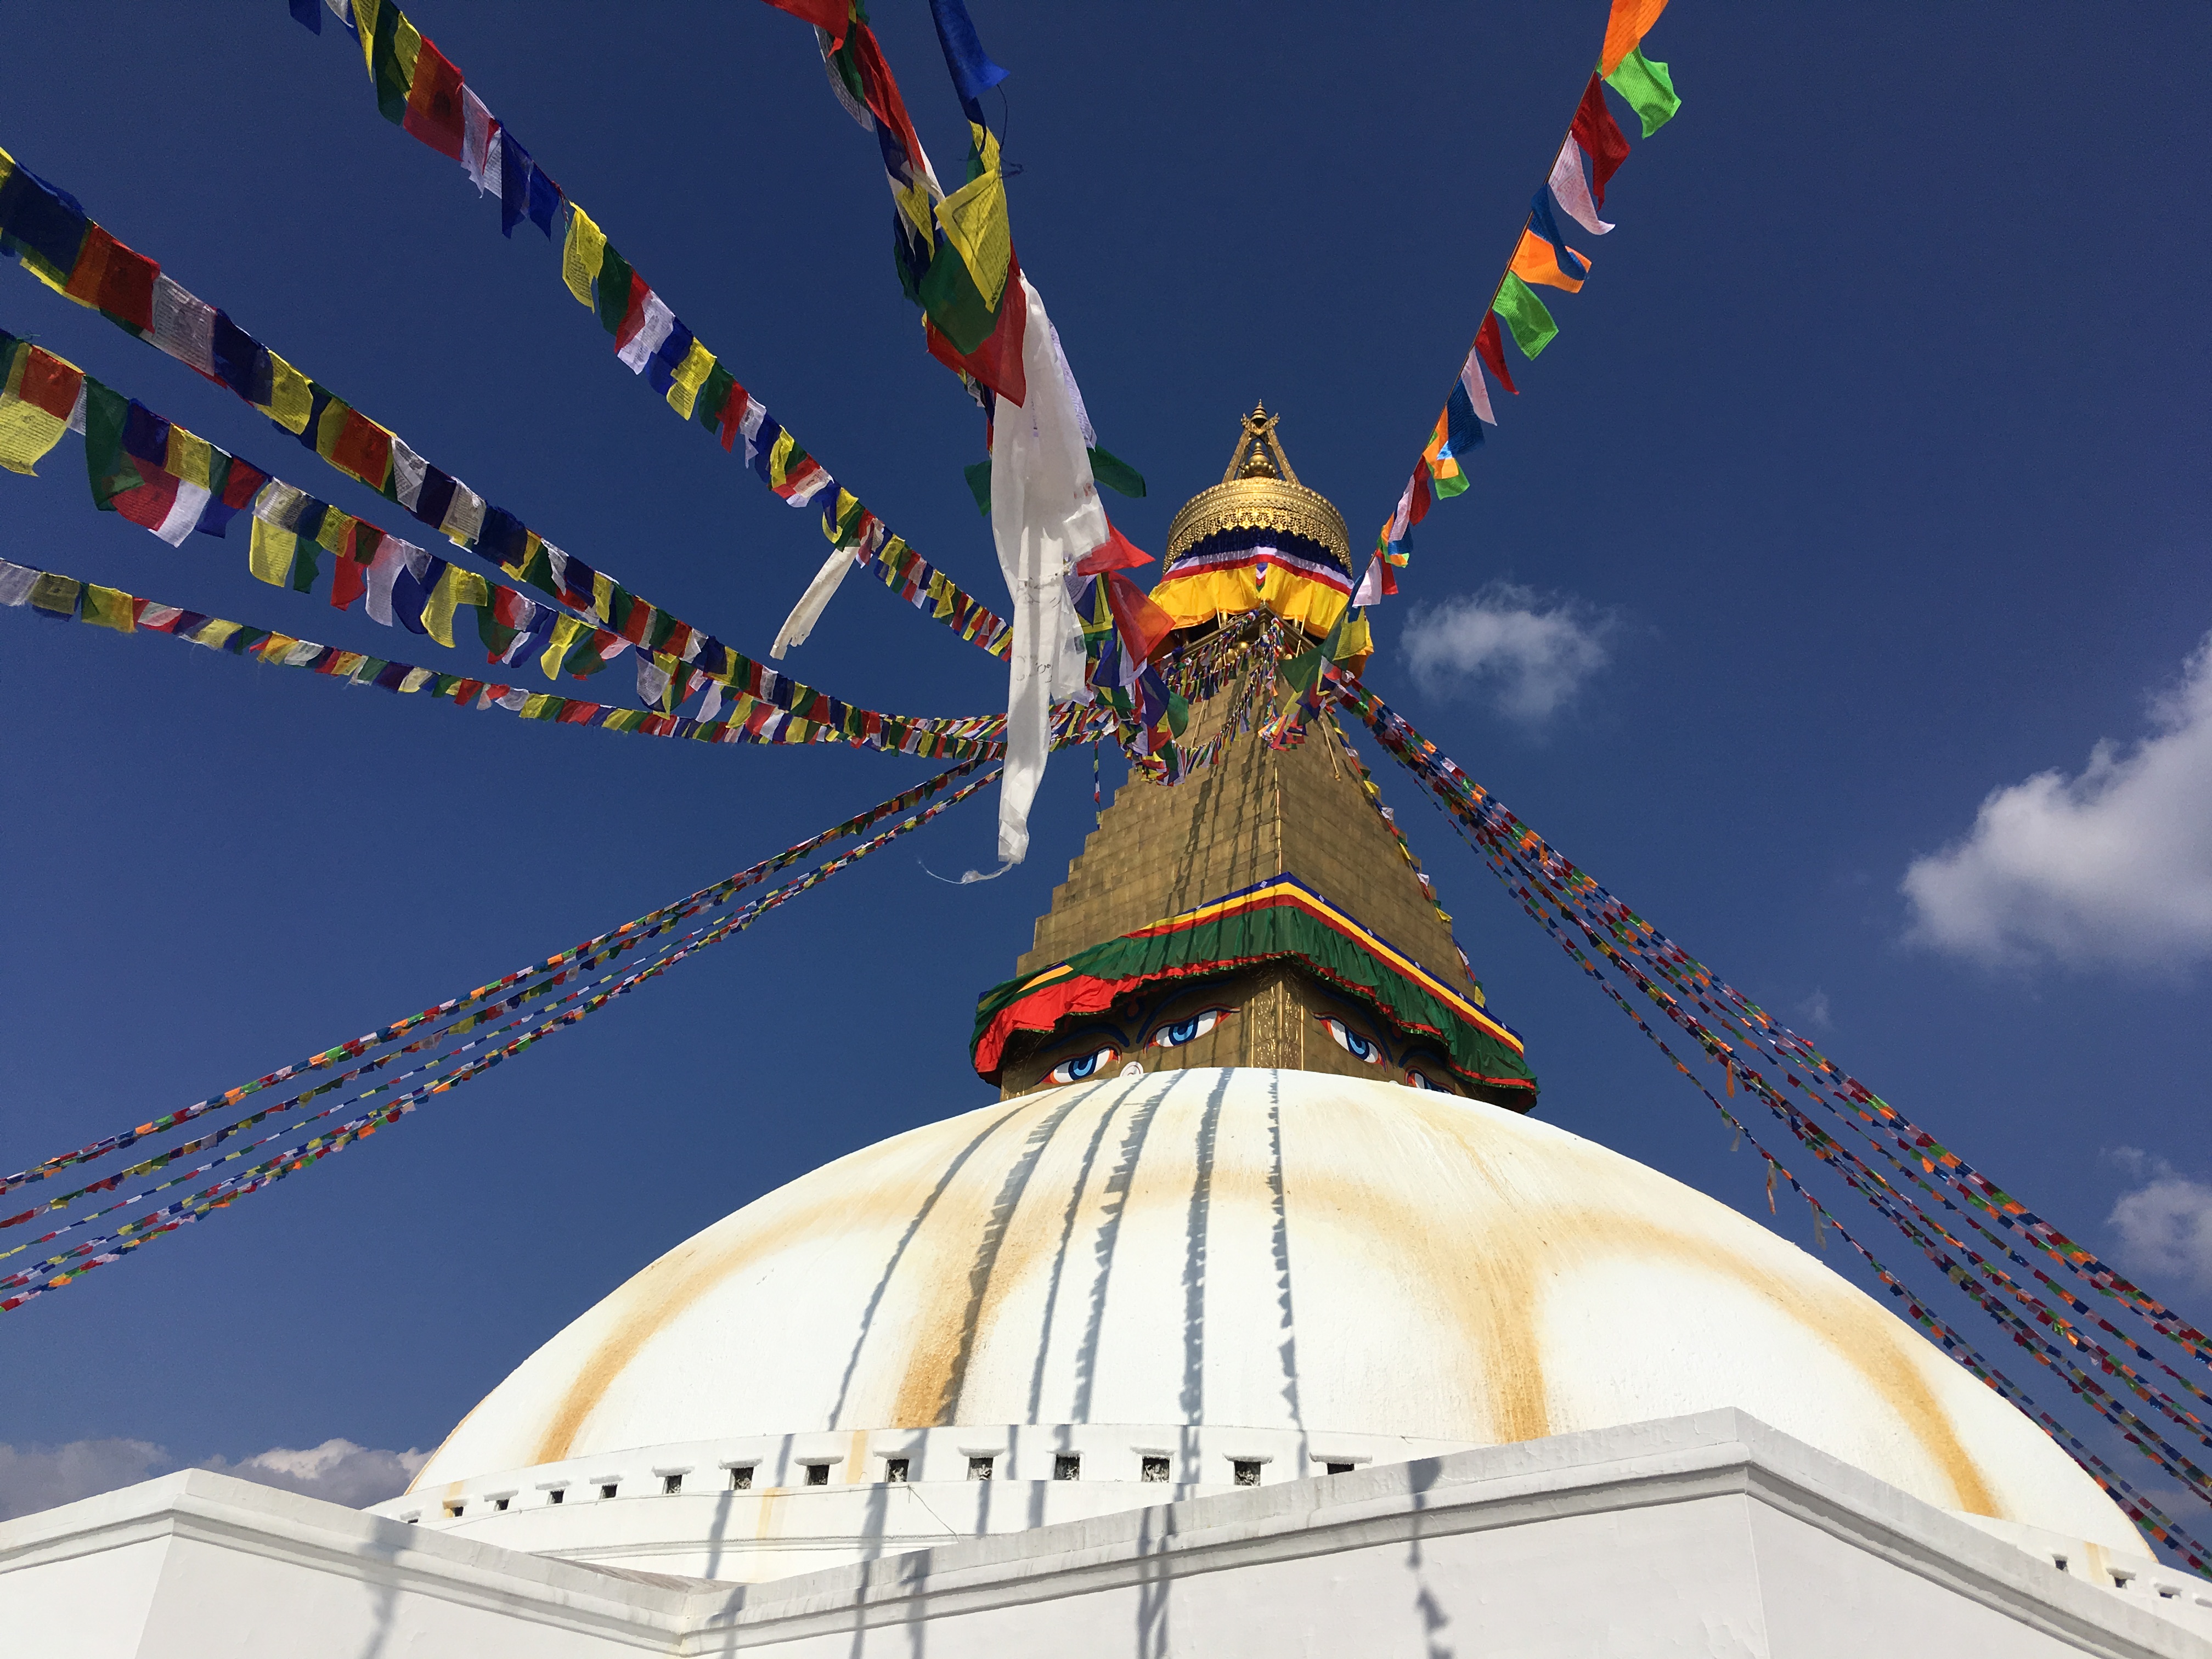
column 1110, row 1230
column 1059, row 1253
column 992, row 1242
column 1193, row 1398
column 898, row 1253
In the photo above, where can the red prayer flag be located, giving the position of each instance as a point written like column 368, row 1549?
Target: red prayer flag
column 49, row 384
column 882, row 92
column 242, row 483
column 831, row 14
column 1117, row 552
column 633, row 312
column 1144, row 626
column 1492, row 349
column 1601, row 137
column 363, row 448
column 433, row 105
column 998, row 362
column 732, row 411
column 347, row 583
column 114, row 278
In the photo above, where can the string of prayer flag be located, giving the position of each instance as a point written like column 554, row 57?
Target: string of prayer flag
column 426, row 94
column 1541, row 259
column 114, row 1246
column 173, row 483
column 748, row 719
column 1745, row 1040
column 653, row 922
column 203, row 337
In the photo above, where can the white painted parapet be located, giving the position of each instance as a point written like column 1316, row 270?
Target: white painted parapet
column 1712, row 1535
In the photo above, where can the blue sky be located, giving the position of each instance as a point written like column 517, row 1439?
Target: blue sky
column 1865, row 480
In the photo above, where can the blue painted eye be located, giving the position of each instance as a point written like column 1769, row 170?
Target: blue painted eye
column 1417, row 1080
column 1350, row 1041
column 1089, row 1065
column 1190, row 1029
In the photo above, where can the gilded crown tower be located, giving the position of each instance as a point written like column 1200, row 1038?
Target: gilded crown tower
column 1264, row 912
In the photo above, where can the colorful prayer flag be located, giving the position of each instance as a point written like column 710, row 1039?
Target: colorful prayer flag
column 1524, row 313
column 1648, row 88
column 1535, row 260
column 1571, row 189
column 1601, row 137
column 1630, row 21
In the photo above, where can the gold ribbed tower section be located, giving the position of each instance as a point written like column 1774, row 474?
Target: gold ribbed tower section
column 1256, row 814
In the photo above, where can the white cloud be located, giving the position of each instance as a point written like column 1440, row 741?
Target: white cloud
column 1529, row 652
column 337, row 1470
column 2164, row 1226
column 35, row 1478
column 1815, row 1012
column 2113, row 867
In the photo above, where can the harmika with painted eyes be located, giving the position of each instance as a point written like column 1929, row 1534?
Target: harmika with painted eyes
column 1171, row 1034
column 1091, row 1050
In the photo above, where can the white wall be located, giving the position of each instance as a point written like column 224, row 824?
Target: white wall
column 1708, row 1535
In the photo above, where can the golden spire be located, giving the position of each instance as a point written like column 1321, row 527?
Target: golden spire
column 1260, row 488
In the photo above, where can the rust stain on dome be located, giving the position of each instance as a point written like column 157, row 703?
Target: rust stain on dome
column 1462, row 1216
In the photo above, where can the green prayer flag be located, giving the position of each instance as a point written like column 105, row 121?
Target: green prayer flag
column 979, row 485
column 954, row 303
column 613, row 291
column 537, row 569
column 713, row 394
column 106, row 464
column 495, row 636
column 1116, row 473
column 305, row 568
column 1519, row 308
column 1648, row 87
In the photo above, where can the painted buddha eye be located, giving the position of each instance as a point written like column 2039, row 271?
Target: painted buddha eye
column 1417, row 1080
column 1350, row 1041
column 1089, row 1065
column 1190, row 1030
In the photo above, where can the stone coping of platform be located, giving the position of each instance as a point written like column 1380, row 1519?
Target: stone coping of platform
column 50, row 1562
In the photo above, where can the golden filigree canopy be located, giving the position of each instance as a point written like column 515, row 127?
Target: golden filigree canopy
column 1259, row 491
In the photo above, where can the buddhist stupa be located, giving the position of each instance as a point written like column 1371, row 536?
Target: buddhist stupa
column 1262, row 1197
column 1254, row 1311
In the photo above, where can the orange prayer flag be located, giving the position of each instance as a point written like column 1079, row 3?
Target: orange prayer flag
column 1536, row 261
column 1631, row 22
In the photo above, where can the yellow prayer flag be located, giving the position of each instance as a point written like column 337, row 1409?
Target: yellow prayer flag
column 533, row 707
column 109, row 607
column 603, row 595
column 273, row 649
column 975, row 221
column 332, row 537
column 407, row 47
column 779, row 457
column 415, row 679
column 564, row 636
column 347, row 666
column 455, row 588
column 214, row 632
column 582, row 254
column 364, row 18
column 26, row 432
column 269, row 555
column 190, row 457
column 290, row 400
column 691, row 374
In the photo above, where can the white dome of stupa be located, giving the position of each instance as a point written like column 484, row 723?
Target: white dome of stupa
column 1206, row 1276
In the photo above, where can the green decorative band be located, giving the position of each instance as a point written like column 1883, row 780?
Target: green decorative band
column 1280, row 919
